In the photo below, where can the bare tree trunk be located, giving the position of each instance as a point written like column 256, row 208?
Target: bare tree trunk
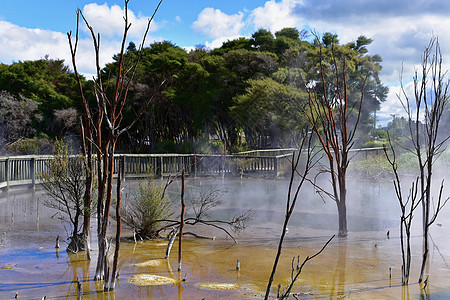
column 107, row 211
column 292, row 197
column 183, row 209
column 342, row 207
column 342, row 215
column 87, row 155
column 407, row 208
column 102, row 165
column 118, row 224
column 328, row 115
column 285, row 224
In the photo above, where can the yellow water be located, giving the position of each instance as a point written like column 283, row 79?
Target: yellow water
column 352, row 268
column 366, row 265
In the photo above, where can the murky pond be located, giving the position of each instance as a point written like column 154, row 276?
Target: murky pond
column 366, row 265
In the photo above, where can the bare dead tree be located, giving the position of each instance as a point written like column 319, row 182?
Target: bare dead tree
column 104, row 127
column 64, row 183
column 201, row 208
column 285, row 294
column 86, row 150
column 183, row 211
column 430, row 100
column 407, row 208
column 330, row 117
column 309, row 162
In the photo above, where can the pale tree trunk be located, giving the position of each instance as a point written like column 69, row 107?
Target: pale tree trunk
column 183, row 211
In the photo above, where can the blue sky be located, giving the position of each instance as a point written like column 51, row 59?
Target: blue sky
column 400, row 29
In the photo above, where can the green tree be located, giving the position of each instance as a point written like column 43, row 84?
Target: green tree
column 46, row 81
column 269, row 113
column 241, row 43
column 329, row 39
column 286, row 38
column 263, row 40
column 362, row 72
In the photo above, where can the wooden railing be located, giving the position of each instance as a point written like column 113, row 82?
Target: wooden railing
column 25, row 170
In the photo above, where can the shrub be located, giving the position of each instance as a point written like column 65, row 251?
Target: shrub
column 64, row 185
column 373, row 144
column 373, row 168
column 382, row 134
column 407, row 163
column 145, row 207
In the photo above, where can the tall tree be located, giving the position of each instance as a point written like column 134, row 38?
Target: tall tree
column 330, row 117
column 287, row 38
column 362, row 72
column 241, row 66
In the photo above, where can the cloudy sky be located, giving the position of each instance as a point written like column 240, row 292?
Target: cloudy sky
column 400, row 29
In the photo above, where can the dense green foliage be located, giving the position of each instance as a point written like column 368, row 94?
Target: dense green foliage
column 248, row 93
column 47, row 82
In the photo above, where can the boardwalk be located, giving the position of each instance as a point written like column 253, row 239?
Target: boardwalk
column 24, row 170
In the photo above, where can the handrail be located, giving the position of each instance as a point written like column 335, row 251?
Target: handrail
column 24, row 170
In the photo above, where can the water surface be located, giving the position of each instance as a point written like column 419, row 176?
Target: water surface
column 366, row 265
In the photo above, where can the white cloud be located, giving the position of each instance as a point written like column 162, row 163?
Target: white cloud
column 189, row 48
column 108, row 21
column 393, row 105
column 276, row 15
column 213, row 23
column 19, row 43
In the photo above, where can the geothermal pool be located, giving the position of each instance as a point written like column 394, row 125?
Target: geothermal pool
column 365, row 265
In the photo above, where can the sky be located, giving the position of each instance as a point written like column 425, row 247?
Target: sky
column 400, row 29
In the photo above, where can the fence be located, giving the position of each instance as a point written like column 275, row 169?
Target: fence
column 24, row 170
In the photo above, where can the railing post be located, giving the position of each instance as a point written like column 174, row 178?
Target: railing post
column 7, row 168
column 275, row 167
column 122, row 167
column 33, row 173
column 195, row 166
